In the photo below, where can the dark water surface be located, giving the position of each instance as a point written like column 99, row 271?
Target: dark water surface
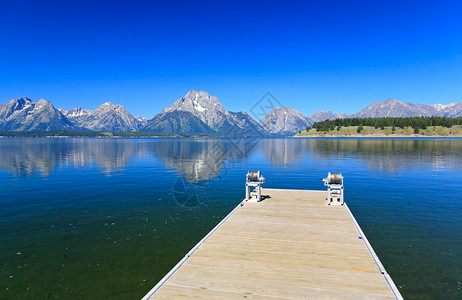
column 108, row 218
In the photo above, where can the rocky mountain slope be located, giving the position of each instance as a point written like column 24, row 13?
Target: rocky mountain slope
column 451, row 110
column 106, row 117
column 76, row 115
column 285, row 121
column 202, row 109
column 326, row 115
column 181, row 122
column 23, row 114
column 142, row 121
column 207, row 108
column 246, row 126
column 396, row 108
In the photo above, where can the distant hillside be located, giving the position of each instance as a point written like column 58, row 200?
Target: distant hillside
column 416, row 126
column 419, row 122
column 371, row 131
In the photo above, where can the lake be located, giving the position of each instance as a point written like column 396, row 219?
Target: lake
column 108, row 218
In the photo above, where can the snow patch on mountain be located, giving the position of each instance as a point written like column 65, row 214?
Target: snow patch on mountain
column 211, row 112
column 23, row 114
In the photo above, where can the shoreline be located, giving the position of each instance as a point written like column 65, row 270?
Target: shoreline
column 384, row 132
column 377, row 136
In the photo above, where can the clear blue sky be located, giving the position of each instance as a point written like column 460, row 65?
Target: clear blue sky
column 312, row 55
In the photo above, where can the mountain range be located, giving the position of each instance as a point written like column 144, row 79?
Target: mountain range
column 106, row 117
column 395, row 108
column 197, row 113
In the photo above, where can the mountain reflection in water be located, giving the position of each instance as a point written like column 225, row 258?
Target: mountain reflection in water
column 203, row 159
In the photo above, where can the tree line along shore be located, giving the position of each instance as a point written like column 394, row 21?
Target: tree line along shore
column 399, row 127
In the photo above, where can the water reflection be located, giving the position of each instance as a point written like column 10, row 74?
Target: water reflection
column 195, row 159
column 390, row 155
column 29, row 156
column 283, row 151
column 202, row 159
column 110, row 155
column 380, row 154
column 25, row 157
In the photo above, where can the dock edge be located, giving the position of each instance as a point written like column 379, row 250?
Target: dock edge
column 181, row 262
column 375, row 257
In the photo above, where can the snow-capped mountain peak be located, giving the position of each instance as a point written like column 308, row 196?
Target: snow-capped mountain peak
column 106, row 117
column 77, row 112
column 199, row 112
column 450, row 110
column 23, row 114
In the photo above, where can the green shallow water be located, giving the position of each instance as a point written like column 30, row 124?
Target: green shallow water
column 108, row 218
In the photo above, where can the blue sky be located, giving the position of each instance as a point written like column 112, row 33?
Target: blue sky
column 311, row 55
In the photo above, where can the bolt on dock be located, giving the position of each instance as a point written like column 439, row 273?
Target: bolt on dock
column 290, row 245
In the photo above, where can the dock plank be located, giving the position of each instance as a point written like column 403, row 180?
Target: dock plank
column 292, row 245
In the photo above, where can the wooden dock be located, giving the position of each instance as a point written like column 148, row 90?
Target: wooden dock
column 292, row 245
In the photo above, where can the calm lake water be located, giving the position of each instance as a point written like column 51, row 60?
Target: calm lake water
column 108, row 218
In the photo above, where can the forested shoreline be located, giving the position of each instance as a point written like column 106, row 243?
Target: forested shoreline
column 417, row 123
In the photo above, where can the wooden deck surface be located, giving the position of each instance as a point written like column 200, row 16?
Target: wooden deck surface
column 292, row 245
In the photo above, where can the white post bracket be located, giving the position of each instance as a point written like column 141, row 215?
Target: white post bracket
column 334, row 183
column 253, row 183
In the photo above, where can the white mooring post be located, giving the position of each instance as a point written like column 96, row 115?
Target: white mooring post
column 334, row 183
column 253, row 180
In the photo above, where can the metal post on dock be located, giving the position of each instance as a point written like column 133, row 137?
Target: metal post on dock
column 334, row 183
column 253, row 180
